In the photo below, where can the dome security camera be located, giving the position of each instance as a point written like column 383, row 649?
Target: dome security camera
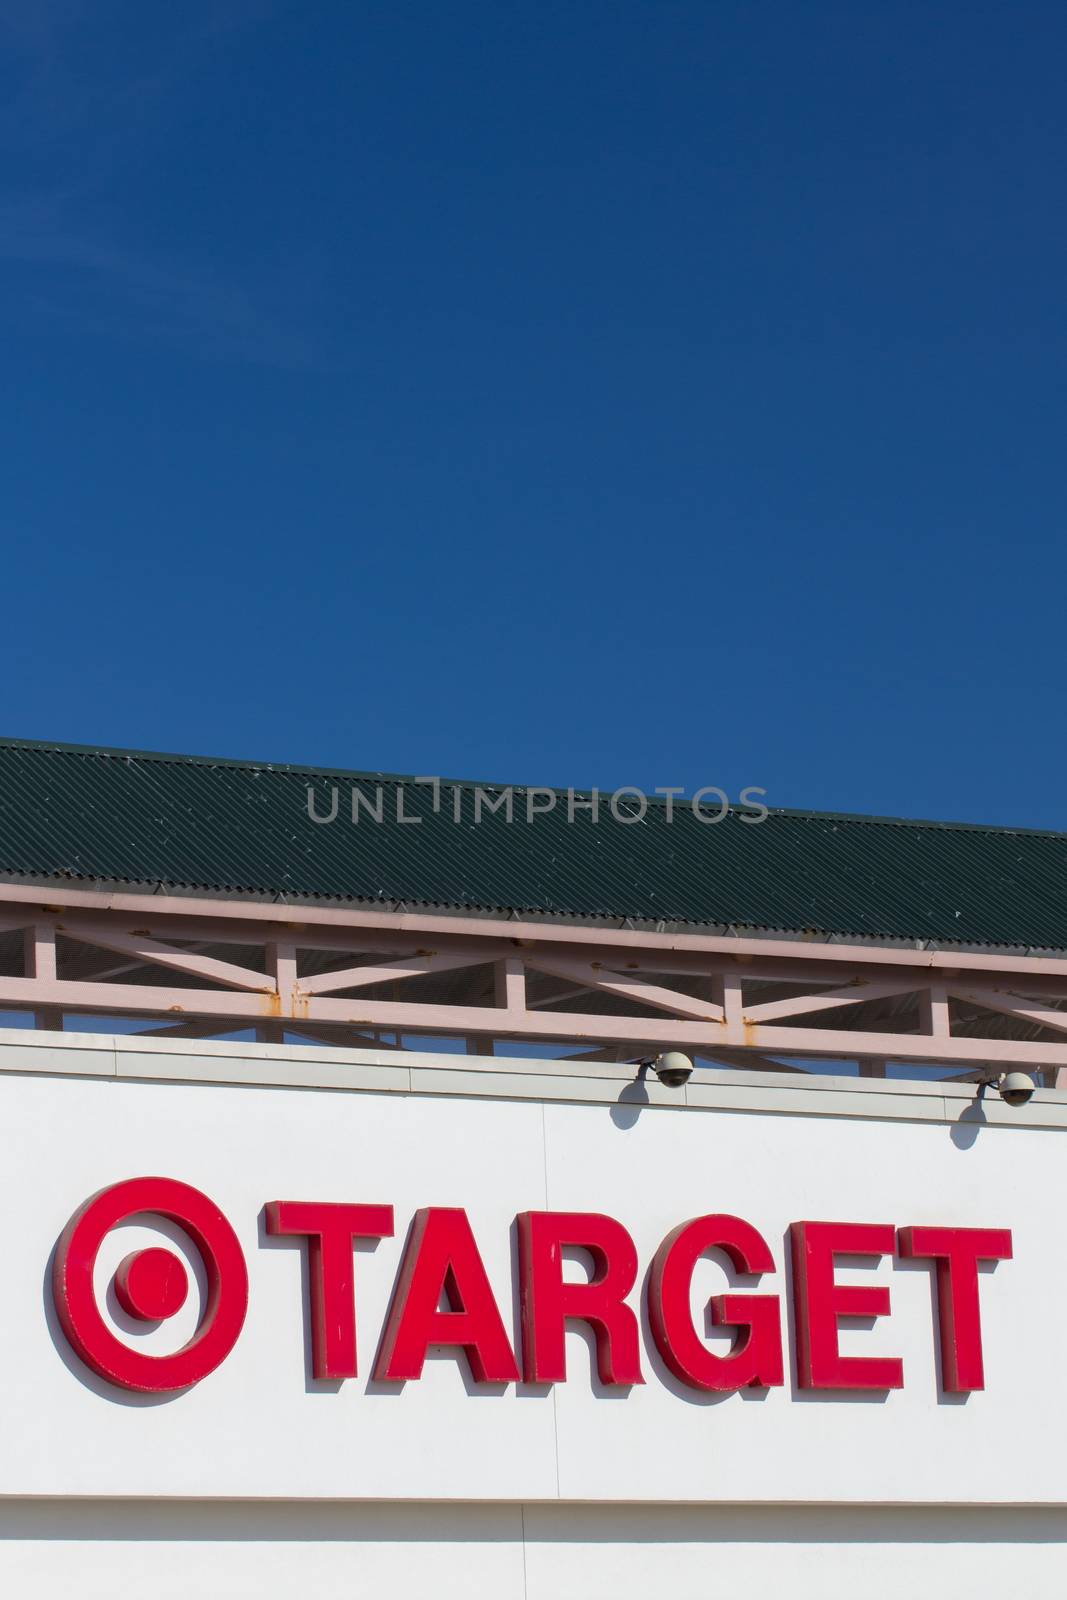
column 673, row 1069
column 1016, row 1088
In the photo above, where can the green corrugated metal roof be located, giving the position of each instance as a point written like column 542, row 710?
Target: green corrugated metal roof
column 232, row 827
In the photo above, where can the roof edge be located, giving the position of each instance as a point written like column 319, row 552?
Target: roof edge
column 289, row 909
column 799, row 814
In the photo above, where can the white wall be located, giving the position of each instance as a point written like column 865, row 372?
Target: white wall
column 97, row 1549
column 261, row 1426
column 250, row 1470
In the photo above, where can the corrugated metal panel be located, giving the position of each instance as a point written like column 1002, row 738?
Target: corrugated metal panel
column 195, row 823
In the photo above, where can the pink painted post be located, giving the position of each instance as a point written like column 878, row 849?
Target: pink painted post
column 281, row 966
column 933, row 1011
column 39, row 945
column 510, row 984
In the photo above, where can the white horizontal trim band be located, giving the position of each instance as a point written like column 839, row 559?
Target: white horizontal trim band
column 119, row 1056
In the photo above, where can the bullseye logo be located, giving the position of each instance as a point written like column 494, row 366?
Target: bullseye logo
column 151, row 1285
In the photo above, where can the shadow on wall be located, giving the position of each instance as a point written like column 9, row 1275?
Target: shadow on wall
column 971, row 1120
column 183, row 1521
column 631, row 1102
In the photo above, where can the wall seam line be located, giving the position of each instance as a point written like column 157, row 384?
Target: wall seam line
column 522, row 1525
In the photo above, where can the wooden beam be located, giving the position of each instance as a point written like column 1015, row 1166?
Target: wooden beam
column 933, row 1011
column 1013, row 1005
column 639, row 990
column 165, row 955
column 393, row 971
column 509, row 978
column 306, row 918
column 681, row 1033
column 39, row 951
column 134, row 998
column 852, row 994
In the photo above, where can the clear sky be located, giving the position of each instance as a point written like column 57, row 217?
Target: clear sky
column 571, row 393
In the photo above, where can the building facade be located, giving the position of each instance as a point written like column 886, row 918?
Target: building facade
column 355, row 1245
column 421, row 1387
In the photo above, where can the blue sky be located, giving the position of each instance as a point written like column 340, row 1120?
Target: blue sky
column 585, row 393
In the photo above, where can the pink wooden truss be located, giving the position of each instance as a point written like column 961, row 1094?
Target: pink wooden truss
column 197, row 968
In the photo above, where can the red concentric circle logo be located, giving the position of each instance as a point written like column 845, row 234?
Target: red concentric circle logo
column 151, row 1285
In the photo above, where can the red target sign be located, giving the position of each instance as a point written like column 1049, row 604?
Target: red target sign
column 151, row 1284
column 442, row 1295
